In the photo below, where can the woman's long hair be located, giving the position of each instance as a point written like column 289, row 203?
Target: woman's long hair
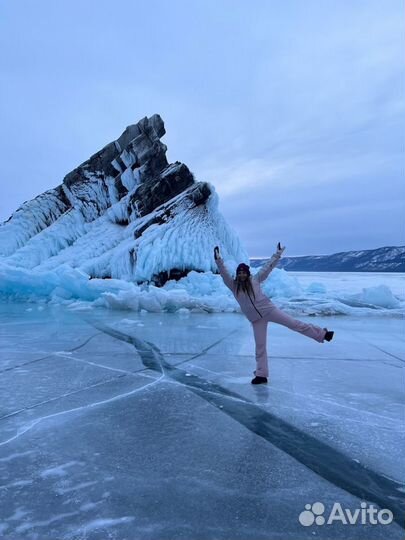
column 245, row 286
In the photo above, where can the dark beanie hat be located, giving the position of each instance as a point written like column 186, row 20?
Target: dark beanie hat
column 243, row 266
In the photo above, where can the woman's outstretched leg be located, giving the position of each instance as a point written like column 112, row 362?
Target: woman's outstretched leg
column 311, row 330
column 260, row 333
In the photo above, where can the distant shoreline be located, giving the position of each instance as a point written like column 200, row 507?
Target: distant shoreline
column 387, row 259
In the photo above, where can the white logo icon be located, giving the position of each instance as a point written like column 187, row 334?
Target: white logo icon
column 312, row 514
column 364, row 515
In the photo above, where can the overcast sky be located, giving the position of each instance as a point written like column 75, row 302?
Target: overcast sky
column 293, row 110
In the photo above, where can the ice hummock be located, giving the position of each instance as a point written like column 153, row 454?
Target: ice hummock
column 202, row 292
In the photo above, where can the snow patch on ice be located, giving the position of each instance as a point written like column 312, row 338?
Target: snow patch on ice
column 102, row 523
column 60, row 470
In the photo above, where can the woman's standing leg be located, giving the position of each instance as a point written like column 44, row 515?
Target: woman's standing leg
column 311, row 330
column 260, row 333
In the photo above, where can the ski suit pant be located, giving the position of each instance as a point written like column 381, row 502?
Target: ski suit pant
column 278, row 316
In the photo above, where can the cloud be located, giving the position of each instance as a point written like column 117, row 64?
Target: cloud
column 241, row 176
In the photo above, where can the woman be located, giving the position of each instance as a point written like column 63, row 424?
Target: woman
column 260, row 310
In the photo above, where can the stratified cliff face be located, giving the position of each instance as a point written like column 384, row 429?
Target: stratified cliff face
column 124, row 213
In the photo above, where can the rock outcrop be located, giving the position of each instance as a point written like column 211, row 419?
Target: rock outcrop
column 124, row 213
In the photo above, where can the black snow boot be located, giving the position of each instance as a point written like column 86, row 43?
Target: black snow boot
column 329, row 334
column 254, row 373
column 259, row 380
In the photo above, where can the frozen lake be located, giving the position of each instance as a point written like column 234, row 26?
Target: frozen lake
column 353, row 282
column 124, row 425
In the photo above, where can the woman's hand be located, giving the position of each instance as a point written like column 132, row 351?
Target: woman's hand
column 216, row 253
column 280, row 249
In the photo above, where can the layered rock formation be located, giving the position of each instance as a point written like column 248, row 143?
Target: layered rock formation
column 124, row 213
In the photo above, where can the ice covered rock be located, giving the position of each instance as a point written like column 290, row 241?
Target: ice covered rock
column 125, row 213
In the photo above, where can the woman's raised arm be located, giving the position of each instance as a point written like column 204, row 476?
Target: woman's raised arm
column 226, row 276
column 270, row 264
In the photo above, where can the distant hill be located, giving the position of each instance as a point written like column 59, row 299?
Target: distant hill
column 384, row 259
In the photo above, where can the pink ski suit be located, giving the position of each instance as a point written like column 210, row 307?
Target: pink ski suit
column 260, row 310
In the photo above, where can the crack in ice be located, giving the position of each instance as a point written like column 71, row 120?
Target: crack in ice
column 323, row 459
column 81, row 408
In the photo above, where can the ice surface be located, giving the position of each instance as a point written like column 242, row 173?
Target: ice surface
column 129, row 425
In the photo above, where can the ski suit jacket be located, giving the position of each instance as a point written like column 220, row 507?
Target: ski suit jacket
column 259, row 305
